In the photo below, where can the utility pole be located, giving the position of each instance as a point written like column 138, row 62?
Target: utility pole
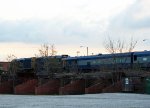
column 87, row 49
column 78, row 53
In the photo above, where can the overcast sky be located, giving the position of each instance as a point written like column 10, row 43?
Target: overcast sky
column 69, row 24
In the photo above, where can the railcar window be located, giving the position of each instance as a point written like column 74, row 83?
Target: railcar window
column 88, row 63
column 135, row 57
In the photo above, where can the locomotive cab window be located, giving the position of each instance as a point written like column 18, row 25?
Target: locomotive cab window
column 88, row 63
column 135, row 57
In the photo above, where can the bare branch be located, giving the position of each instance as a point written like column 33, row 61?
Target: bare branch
column 53, row 51
column 110, row 46
column 10, row 57
column 132, row 44
column 119, row 46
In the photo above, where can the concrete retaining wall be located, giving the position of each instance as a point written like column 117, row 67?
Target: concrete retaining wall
column 51, row 87
column 97, row 88
column 26, row 88
column 6, row 87
column 116, row 87
column 75, row 87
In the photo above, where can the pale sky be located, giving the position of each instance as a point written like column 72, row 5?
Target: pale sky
column 69, row 24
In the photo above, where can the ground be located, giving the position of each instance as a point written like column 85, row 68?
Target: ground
column 104, row 100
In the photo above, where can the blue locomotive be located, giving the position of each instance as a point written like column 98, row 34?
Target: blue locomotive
column 44, row 66
column 39, row 66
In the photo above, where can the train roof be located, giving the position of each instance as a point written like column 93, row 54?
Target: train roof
column 143, row 53
column 49, row 57
column 57, row 56
column 99, row 56
column 22, row 59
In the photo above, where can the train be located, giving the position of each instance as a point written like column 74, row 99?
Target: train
column 44, row 66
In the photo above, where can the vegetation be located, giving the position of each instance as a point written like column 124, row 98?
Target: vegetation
column 47, row 50
column 10, row 57
column 119, row 46
column 50, row 63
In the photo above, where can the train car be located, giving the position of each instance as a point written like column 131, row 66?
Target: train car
column 99, row 62
column 141, row 60
column 106, row 62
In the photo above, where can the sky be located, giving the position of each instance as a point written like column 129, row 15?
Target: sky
column 68, row 24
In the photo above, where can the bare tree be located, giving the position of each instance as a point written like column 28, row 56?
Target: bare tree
column 132, row 45
column 110, row 46
column 114, row 46
column 10, row 57
column 45, row 49
column 53, row 51
column 50, row 63
column 13, row 66
column 118, row 46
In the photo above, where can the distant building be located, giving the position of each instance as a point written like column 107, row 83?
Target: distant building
column 4, row 66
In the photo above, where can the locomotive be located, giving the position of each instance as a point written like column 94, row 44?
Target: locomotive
column 44, row 66
column 39, row 66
